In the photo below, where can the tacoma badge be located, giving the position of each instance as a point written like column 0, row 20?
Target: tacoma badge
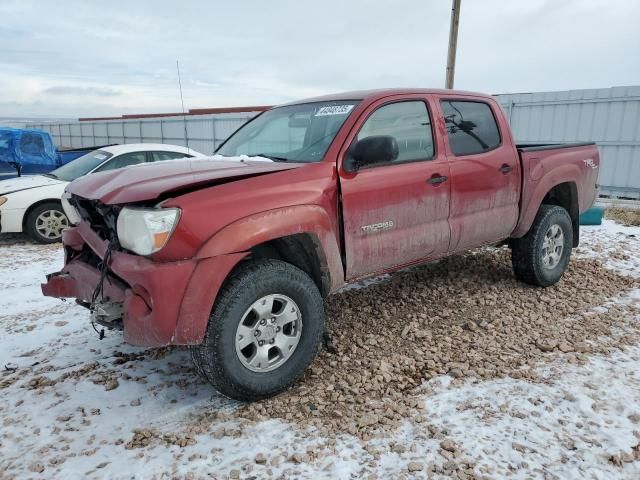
column 378, row 227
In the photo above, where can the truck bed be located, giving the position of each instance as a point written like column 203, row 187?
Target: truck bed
column 536, row 147
column 546, row 166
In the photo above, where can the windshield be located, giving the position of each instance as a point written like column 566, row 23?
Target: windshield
column 80, row 166
column 296, row 133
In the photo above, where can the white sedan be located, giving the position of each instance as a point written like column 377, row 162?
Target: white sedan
column 31, row 204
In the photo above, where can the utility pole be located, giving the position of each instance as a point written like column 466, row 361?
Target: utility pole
column 453, row 43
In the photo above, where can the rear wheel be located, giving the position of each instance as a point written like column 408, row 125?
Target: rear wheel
column 264, row 331
column 45, row 223
column 542, row 255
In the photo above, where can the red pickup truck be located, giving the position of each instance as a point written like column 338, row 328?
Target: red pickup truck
column 234, row 255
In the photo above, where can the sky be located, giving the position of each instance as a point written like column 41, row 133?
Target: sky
column 96, row 58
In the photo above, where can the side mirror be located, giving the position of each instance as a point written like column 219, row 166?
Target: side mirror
column 372, row 151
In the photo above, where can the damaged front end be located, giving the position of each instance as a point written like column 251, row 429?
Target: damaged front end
column 106, row 310
column 106, row 313
column 86, row 274
column 122, row 290
column 86, row 278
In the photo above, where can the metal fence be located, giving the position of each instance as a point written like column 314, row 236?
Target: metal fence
column 608, row 116
column 203, row 133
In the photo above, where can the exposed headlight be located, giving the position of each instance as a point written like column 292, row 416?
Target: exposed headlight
column 146, row 230
column 69, row 210
column 3, row 200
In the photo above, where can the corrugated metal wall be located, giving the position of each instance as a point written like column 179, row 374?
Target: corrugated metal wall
column 204, row 132
column 608, row 116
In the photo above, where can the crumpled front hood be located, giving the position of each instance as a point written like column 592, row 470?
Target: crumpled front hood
column 26, row 182
column 150, row 181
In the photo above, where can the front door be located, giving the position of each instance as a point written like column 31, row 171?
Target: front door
column 396, row 213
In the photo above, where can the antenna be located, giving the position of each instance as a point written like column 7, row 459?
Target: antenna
column 184, row 115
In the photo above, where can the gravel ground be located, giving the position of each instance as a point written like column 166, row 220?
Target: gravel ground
column 448, row 370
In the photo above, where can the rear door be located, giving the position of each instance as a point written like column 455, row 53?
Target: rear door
column 396, row 214
column 485, row 172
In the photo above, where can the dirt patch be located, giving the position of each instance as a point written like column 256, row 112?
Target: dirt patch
column 465, row 316
column 625, row 216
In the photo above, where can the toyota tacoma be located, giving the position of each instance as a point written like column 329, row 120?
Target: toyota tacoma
column 234, row 255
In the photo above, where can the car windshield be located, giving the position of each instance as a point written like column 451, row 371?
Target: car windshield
column 80, row 166
column 295, row 133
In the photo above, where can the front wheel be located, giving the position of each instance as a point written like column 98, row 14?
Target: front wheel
column 45, row 223
column 264, row 331
column 542, row 255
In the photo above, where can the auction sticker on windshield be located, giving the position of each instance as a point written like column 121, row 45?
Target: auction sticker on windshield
column 334, row 110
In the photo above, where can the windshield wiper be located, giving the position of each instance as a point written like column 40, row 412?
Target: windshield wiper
column 270, row 157
column 51, row 175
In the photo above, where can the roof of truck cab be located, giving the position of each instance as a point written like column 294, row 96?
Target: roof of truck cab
column 372, row 95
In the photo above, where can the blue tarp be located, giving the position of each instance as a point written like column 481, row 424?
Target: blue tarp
column 30, row 150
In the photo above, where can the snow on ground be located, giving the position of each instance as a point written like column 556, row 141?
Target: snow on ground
column 72, row 406
column 566, row 428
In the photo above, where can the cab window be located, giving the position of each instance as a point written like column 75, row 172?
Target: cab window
column 471, row 127
column 409, row 123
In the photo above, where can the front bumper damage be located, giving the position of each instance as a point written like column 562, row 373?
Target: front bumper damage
column 163, row 303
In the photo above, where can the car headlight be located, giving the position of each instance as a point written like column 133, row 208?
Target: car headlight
column 69, row 210
column 146, row 230
column 3, row 200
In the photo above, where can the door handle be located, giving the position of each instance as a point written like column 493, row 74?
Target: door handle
column 505, row 168
column 437, row 179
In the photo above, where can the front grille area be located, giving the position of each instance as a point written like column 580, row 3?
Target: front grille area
column 88, row 256
column 101, row 217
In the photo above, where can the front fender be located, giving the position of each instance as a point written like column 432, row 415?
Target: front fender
column 258, row 228
column 200, row 295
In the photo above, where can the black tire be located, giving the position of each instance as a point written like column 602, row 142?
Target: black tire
column 217, row 356
column 197, row 362
column 527, row 252
column 32, row 222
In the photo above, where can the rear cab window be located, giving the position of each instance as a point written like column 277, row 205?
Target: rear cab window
column 471, row 126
